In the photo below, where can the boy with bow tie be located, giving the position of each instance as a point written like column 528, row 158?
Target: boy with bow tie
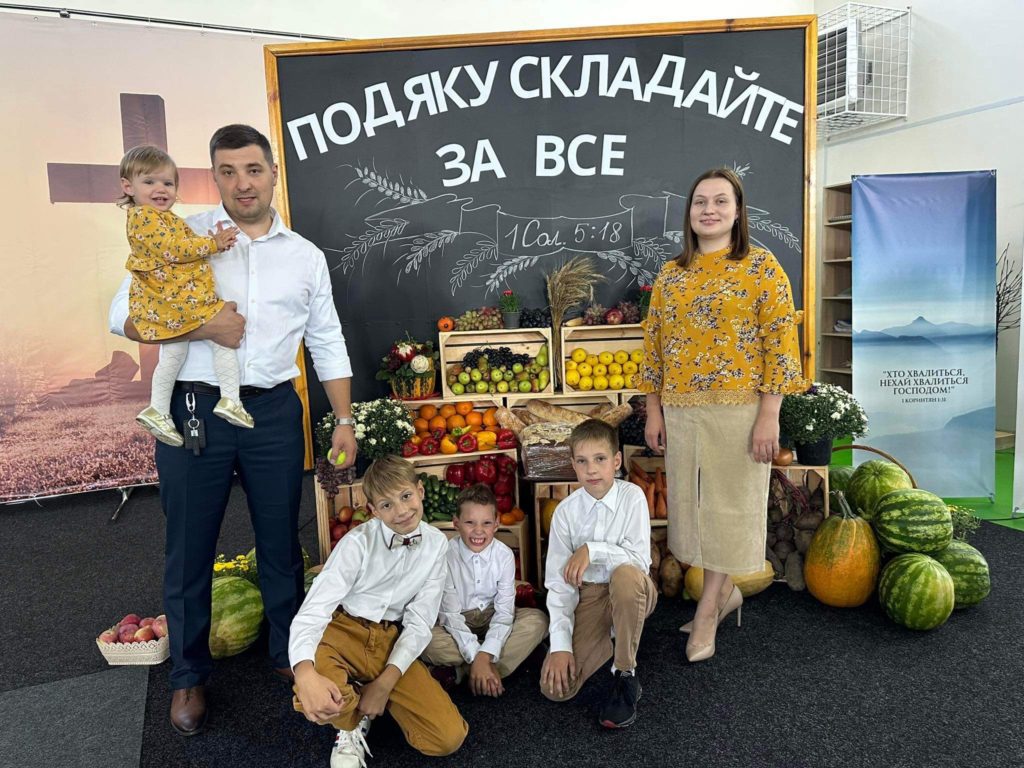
column 367, row 618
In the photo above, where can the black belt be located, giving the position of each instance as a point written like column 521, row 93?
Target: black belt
column 245, row 392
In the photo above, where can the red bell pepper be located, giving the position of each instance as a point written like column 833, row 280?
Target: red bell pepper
column 409, row 449
column 505, row 503
column 526, row 596
column 506, row 439
column 470, row 467
column 506, row 465
column 486, row 470
column 429, row 446
column 504, row 485
column 467, row 443
column 456, row 474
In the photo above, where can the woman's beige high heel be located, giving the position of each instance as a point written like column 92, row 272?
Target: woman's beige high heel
column 733, row 603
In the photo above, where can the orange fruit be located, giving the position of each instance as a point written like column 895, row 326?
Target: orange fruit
column 455, row 422
column 491, row 417
column 474, row 428
column 463, row 408
column 508, row 519
column 438, row 422
column 421, row 424
column 519, row 514
column 427, row 412
column 447, row 410
column 474, row 418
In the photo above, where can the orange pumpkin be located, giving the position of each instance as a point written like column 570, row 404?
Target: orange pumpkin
column 446, row 324
column 843, row 560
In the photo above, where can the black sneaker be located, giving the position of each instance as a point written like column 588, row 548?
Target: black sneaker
column 619, row 710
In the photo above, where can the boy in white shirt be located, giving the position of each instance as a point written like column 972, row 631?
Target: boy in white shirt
column 597, row 577
column 480, row 627
column 366, row 620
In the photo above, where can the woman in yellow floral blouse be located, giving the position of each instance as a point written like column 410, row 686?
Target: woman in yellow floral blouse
column 172, row 291
column 721, row 350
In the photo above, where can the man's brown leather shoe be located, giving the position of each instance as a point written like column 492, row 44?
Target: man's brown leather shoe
column 286, row 673
column 188, row 710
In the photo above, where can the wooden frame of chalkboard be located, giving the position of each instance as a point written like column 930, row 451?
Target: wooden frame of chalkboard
column 436, row 172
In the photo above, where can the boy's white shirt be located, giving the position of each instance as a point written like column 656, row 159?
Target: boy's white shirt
column 477, row 580
column 368, row 579
column 616, row 530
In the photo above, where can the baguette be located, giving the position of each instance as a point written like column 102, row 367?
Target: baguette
column 596, row 411
column 616, row 415
column 547, row 412
column 509, row 420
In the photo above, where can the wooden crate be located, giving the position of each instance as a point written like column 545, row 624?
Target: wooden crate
column 597, row 339
column 353, row 496
column 455, row 344
column 795, row 472
column 542, row 491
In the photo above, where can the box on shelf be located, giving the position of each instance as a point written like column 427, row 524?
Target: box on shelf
column 554, row 462
column 353, row 496
column 596, row 339
column 528, row 341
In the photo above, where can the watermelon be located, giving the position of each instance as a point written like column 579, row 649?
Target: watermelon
column 236, row 612
column 912, row 520
column 969, row 570
column 916, row 591
column 839, row 477
column 870, row 481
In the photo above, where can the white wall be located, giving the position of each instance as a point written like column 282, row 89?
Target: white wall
column 402, row 18
column 965, row 112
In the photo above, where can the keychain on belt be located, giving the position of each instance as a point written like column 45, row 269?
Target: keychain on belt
column 195, row 429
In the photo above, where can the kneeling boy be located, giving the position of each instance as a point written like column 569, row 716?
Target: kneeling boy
column 366, row 620
column 480, row 625
column 597, row 577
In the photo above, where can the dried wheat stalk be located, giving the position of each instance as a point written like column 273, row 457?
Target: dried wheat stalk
column 568, row 286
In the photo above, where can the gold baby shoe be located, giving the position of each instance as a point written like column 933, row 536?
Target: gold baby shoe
column 234, row 413
column 160, row 426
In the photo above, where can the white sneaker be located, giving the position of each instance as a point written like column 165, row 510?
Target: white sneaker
column 350, row 748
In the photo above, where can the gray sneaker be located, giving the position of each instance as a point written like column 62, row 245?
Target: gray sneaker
column 619, row 710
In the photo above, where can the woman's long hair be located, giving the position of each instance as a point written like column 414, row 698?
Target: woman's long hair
column 740, row 233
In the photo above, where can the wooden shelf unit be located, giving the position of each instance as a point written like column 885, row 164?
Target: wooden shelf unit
column 835, row 348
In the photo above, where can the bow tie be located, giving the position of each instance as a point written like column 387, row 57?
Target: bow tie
column 405, row 541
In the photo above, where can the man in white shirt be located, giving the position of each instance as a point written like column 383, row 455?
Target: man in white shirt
column 597, row 576
column 366, row 620
column 281, row 283
column 479, row 602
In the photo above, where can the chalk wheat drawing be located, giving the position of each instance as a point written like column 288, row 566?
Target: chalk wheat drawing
column 509, row 268
column 485, row 250
column 759, row 221
column 375, row 235
column 628, row 264
column 652, row 250
column 384, row 185
column 422, row 246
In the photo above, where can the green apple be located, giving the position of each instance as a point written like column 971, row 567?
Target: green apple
column 496, row 374
column 517, row 367
column 476, row 375
column 458, row 388
column 525, row 386
column 465, row 378
column 481, row 387
column 509, row 376
column 503, row 386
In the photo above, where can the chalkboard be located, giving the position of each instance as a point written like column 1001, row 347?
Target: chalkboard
column 436, row 172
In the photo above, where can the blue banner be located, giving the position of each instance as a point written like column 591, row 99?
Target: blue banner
column 924, row 324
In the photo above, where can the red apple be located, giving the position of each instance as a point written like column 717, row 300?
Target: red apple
column 126, row 633
column 108, row 635
column 337, row 531
column 131, row 618
column 160, row 626
column 144, row 634
column 146, row 622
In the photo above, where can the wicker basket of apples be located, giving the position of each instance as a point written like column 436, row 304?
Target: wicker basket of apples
column 135, row 641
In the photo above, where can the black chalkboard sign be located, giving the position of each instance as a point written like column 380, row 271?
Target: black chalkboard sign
column 437, row 172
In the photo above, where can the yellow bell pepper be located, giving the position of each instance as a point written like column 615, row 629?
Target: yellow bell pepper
column 448, row 445
column 486, row 440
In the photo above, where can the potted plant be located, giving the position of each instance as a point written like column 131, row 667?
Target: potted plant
column 410, row 368
column 509, row 306
column 810, row 421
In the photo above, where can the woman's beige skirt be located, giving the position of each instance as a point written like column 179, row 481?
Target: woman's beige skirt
column 717, row 493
